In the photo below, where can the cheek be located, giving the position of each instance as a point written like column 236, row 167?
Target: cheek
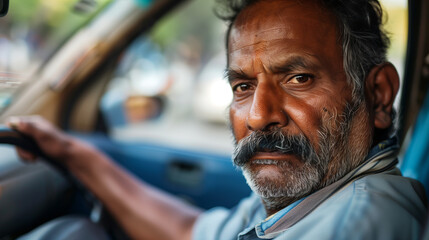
column 237, row 117
column 309, row 110
column 306, row 117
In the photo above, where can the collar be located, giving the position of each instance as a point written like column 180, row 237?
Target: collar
column 380, row 158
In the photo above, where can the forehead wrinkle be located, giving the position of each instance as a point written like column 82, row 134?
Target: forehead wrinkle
column 285, row 32
column 261, row 37
column 257, row 67
column 258, row 46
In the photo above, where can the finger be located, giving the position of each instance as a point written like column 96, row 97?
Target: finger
column 34, row 126
column 28, row 156
column 51, row 141
column 13, row 122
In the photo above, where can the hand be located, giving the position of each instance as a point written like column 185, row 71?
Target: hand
column 53, row 142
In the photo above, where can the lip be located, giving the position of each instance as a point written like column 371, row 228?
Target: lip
column 272, row 156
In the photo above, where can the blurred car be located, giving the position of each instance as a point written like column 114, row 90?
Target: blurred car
column 91, row 66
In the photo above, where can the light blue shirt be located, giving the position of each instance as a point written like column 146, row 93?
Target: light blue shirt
column 372, row 202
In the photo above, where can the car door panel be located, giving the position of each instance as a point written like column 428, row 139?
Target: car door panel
column 204, row 179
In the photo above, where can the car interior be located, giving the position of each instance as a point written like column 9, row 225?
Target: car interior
column 113, row 73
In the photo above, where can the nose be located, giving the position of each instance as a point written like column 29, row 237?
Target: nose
column 267, row 110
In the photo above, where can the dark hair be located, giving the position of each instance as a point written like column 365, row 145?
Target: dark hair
column 363, row 39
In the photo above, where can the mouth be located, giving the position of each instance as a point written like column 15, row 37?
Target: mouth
column 271, row 157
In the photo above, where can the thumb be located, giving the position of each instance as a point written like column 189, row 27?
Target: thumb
column 14, row 123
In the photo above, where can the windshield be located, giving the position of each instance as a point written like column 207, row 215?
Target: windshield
column 31, row 32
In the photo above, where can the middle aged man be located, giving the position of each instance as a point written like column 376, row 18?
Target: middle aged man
column 311, row 112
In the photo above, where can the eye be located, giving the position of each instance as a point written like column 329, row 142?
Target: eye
column 241, row 87
column 301, row 78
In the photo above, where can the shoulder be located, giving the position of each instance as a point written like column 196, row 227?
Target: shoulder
column 405, row 192
column 383, row 206
column 379, row 206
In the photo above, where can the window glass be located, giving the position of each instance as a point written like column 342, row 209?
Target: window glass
column 169, row 87
column 31, row 32
column 396, row 24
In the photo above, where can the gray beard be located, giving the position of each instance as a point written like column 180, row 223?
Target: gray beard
column 291, row 186
column 334, row 159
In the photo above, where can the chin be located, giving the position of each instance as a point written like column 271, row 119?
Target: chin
column 274, row 181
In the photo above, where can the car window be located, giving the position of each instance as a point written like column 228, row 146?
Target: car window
column 396, row 24
column 169, row 87
column 31, row 32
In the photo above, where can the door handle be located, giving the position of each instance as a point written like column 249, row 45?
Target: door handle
column 184, row 173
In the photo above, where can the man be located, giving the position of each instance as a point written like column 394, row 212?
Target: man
column 311, row 115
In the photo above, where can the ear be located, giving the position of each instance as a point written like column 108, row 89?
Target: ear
column 381, row 87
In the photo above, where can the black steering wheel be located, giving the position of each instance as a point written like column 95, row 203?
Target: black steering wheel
column 14, row 137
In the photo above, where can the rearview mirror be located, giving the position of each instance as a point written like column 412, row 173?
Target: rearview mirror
column 4, row 6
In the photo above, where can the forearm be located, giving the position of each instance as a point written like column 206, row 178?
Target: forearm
column 144, row 212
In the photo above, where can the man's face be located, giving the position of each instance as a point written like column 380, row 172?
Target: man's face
column 290, row 88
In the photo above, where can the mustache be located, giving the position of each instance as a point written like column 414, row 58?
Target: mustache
column 274, row 141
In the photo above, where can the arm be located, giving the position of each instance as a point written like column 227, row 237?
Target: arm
column 143, row 211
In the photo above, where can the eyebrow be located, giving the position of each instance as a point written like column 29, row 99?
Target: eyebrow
column 232, row 75
column 292, row 64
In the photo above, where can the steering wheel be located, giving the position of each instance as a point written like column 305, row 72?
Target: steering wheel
column 14, row 137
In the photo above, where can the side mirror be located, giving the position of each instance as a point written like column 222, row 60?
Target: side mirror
column 4, row 7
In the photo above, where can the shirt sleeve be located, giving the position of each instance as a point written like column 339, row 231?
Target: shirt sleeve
column 222, row 223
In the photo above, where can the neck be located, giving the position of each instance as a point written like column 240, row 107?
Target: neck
column 275, row 204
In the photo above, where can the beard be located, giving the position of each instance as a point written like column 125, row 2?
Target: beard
column 295, row 179
column 343, row 143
